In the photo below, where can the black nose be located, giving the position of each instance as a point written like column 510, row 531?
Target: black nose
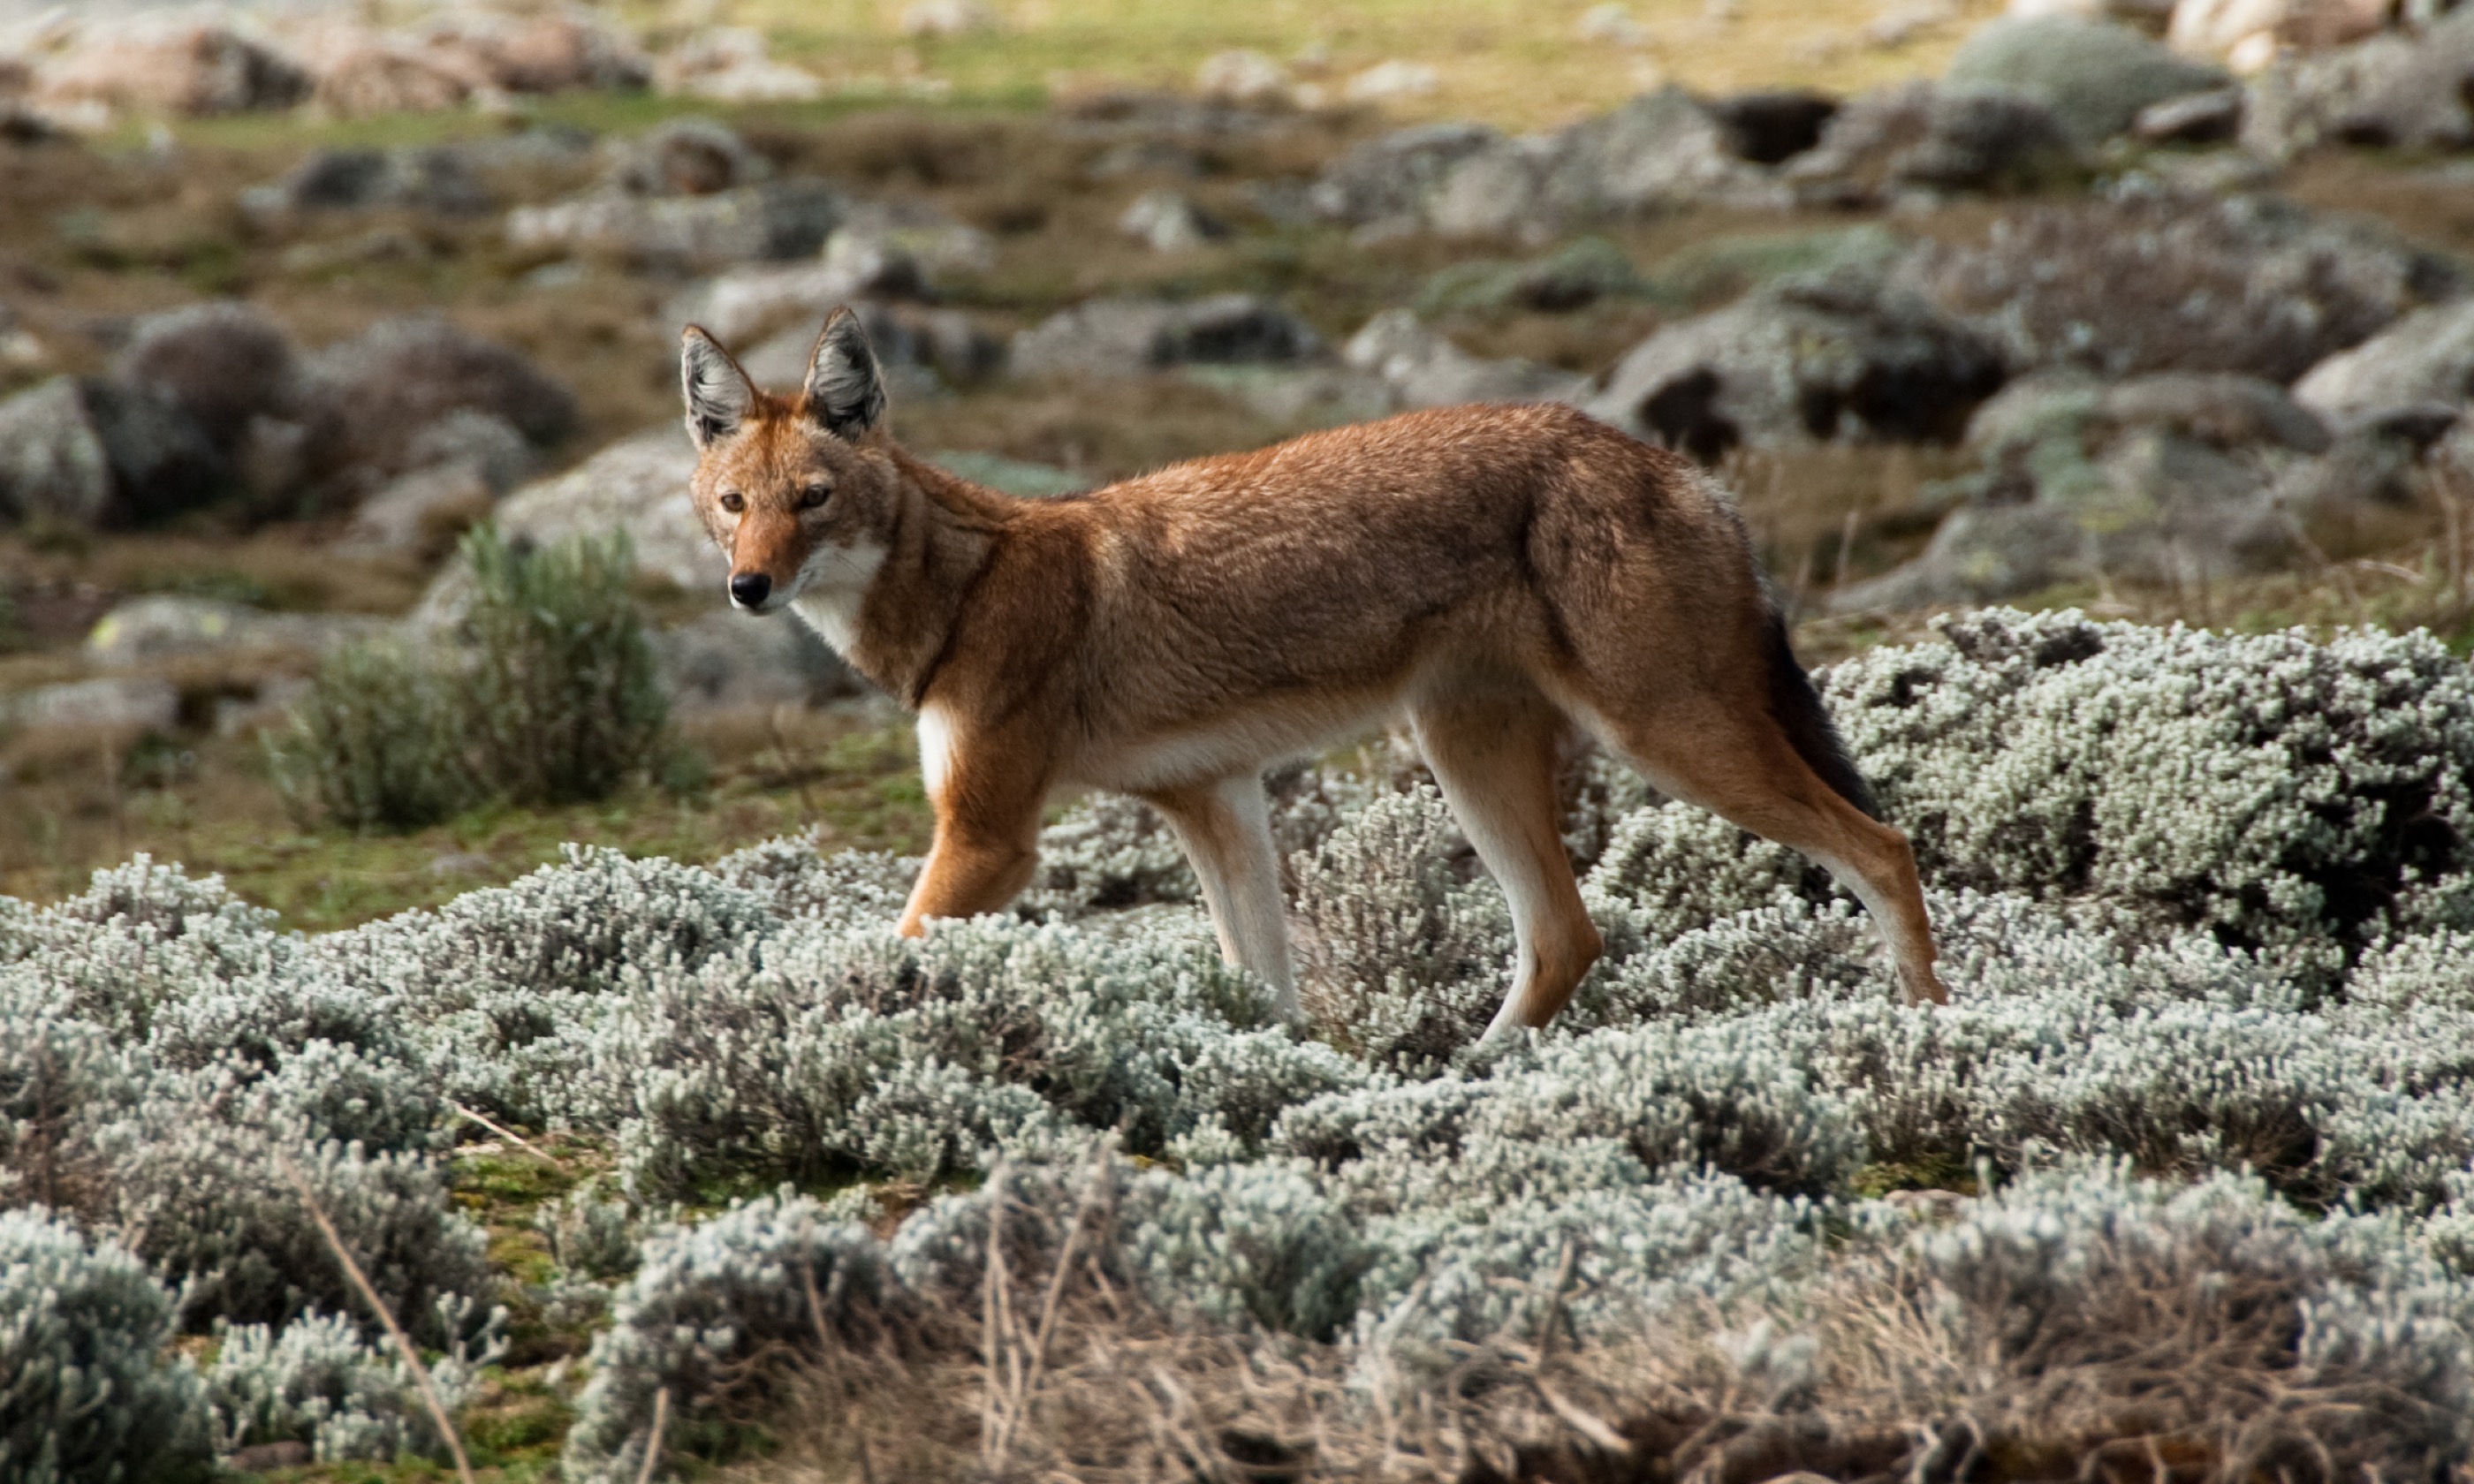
column 749, row 587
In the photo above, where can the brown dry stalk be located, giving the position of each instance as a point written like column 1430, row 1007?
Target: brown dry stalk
column 386, row 1316
column 1019, row 1403
column 505, row 1132
column 653, row 1443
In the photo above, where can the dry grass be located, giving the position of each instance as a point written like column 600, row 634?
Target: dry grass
column 1521, row 64
column 2179, row 1368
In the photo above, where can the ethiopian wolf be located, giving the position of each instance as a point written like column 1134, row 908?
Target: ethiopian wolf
column 1495, row 575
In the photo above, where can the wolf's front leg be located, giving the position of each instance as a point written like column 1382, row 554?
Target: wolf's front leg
column 1227, row 831
column 987, row 794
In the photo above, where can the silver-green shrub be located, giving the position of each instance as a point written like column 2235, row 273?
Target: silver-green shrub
column 2202, row 903
column 321, row 1380
column 728, row 1305
column 2284, row 794
column 551, row 697
column 86, row 1394
column 377, row 743
column 561, row 701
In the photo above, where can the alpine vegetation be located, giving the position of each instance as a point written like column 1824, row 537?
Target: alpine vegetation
column 550, row 697
column 2184, row 1170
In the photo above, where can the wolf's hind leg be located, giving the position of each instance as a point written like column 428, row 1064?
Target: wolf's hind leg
column 1739, row 763
column 1227, row 830
column 1494, row 755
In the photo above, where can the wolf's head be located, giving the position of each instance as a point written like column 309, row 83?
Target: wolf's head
column 799, row 490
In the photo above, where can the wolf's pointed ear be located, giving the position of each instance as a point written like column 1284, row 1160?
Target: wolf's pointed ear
column 719, row 393
column 845, row 392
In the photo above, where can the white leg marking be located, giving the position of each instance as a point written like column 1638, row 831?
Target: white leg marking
column 1230, row 848
column 936, row 750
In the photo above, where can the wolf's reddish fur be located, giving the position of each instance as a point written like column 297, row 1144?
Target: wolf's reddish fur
column 1497, row 575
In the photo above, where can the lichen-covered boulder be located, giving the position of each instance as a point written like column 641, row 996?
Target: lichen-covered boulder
column 1809, row 358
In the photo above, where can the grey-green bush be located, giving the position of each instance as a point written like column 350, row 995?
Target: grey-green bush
column 321, row 1380
column 2203, row 906
column 376, row 744
column 86, row 1393
column 561, row 702
column 550, row 697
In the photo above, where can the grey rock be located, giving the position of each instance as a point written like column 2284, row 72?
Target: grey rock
column 2153, row 280
column 426, row 178
column 2367, row 469
column 1578, row 273
column 1767, row 126
column 2220, row 409
column 1662, row 149
column 86, row 452
column 727, row 660
column 855, row 266
column 2164, row 477
column 414, row 514
column 2151, row 504
column 1724, row 267
column 494, row 449
column 1170, row 222
column 1130, row 337
column 2212, row 172
column 2427, row 356
column 165, row 626
column 1978, row 554
column 1312, row 397
column 2094, row 74
column 2301, row 103
column 1923, row 136
column 2415, row 96
column 784, row 219
column 113, row 704
column 385, row 388
column 686, row 157
column 1389, row 178
column 52, row 462
column 222, row 363
column 1425, row 368
column 2194, row 118
column 637, row 486
column 1805, row 359
column 1500, row 191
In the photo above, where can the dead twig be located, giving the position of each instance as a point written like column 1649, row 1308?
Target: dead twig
column 505, row 1132
column 653, row 1443
column 1019, row 1403
column 395, row 1331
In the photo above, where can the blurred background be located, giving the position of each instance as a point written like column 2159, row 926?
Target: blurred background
column 344, row 546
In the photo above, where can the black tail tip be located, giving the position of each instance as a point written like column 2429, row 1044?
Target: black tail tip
column 1798, row 707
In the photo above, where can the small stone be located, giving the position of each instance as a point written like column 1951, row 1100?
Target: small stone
column 116, row 705
column 2209, row 117
column 262, row 1457
column 1247, row 77
column 947, row 19
column 1390, row 82
column 1169, row 223
column 1611, row 24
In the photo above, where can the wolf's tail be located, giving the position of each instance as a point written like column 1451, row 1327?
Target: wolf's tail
column 1798, row 707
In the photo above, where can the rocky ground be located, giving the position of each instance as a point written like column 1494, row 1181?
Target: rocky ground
column 2136, row 311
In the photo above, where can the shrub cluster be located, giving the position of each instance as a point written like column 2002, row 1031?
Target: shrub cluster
column 552, row 698
column 2205, row 903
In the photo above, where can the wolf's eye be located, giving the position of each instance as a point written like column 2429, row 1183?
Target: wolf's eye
column 733, row 502
column 815, row 495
